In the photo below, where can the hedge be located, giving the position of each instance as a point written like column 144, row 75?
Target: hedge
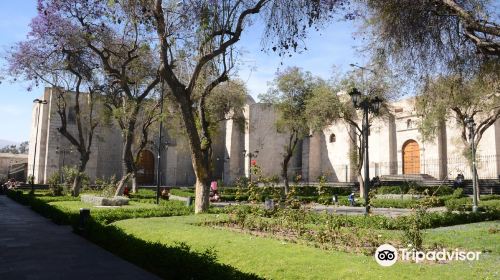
column 415, row 189
column 170, row 262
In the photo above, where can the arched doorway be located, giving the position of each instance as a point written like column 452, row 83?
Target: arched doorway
column 146, row 168
column 411, row 157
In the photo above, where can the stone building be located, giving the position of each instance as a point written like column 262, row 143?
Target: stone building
column 395, row 148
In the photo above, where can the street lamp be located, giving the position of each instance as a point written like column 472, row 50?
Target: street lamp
column 160, row 146
column 37, row 101
column 250, row 155
column 469, row 121
column 367, row 103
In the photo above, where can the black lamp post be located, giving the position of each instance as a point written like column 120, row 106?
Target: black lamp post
column 250, row 155
column 469, row 121
column 37, row 101
column 368, row 104
column 160, row 146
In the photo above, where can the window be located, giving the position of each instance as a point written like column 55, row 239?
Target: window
column 333, row 138
column 409, row 123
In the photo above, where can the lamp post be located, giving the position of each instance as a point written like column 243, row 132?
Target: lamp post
column 250, row 155
column 367, row 103
column 469, row 121
column 37, row 101
column 158, row 164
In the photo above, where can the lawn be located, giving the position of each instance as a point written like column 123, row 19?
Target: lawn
column 271, row 258
column 74, row 206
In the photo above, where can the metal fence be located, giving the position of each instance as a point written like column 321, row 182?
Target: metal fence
column 488, row 167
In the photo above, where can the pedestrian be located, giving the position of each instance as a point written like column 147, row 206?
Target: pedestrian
column 352, row 200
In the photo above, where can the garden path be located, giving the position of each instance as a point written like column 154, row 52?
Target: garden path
column 32, row 247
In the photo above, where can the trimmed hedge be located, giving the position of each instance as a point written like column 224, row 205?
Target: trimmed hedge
column 465, row 204
column 415, row 189
column 170, row 262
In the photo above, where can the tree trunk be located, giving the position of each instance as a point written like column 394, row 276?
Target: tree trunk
column 127, row 156
column 122, row 184
column 361, row 185
column 284, row 172
column 202, row 196
column 134, row 182
column 199, row 154
column 77, row 182
column 127, row 166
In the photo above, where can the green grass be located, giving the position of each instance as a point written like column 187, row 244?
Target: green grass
column 74, row 206
column 484, row 236
column 182, row 192
column 271, row 258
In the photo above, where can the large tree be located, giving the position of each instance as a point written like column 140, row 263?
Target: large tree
column 54, row 54
column 200, row 36
column 331, row 104
column 427, row 36
column 457, row 97
column 289, row 93
column 122, row 54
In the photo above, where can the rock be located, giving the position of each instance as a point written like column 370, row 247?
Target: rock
column 104, row 201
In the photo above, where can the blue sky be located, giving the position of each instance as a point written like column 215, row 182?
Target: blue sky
column 329, row 48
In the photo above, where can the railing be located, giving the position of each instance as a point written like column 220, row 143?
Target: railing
column 488, row 167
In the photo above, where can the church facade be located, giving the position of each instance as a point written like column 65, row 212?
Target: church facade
column 395, row 148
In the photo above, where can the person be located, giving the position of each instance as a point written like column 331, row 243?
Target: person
column 459, row 181
column 214, row 193
column 11, row 184
column 126, row 192
column 351, row 199
column 165, row 194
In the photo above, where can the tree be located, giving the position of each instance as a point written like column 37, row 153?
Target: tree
column 121, row 54
column 53, row 54
column 13, row 149
column 432, row 35
column 200, row 36
column 289, row 94
column 23, row 147
column 434, row 30
column 330, row 104
column 459, row 97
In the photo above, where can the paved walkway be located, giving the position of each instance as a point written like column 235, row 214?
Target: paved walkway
column 32, row 247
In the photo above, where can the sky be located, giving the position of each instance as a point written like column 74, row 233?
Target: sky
column 334, row 47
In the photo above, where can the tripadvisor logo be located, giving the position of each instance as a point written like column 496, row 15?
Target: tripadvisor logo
column 387, row 255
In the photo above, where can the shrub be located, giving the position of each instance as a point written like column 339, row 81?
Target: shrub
column 107, row 187
column 412, row 229
column 182, row 192
column 458, row 204
column 393, row 203
column 54, row 182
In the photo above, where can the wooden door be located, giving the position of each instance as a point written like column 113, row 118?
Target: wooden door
column 146, row 168
column 411, row 157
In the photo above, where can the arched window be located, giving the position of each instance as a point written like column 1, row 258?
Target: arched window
column 333, row 138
